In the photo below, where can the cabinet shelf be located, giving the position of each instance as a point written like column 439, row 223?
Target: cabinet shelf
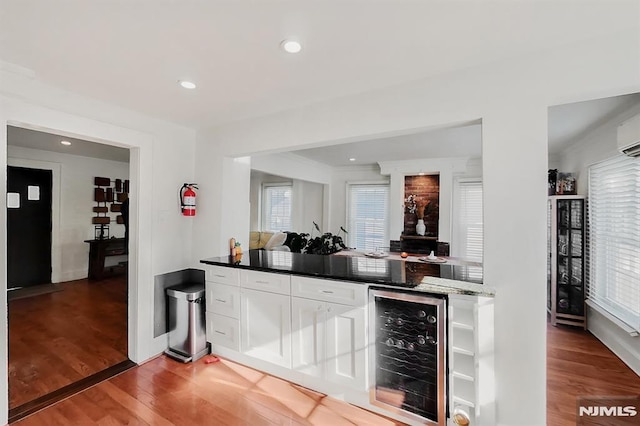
column 461, row 326
column 462, row 376
column 462, row 351
column 461, row 401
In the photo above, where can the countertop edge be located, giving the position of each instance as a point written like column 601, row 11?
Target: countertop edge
column 434, row 285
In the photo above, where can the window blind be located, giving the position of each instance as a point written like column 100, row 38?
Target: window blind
column 367, row 216
column 468, row 227
column 613, row 229
column 276, row 208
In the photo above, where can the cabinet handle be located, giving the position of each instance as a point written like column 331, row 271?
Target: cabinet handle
column 221, row 301
column 220, row 332
column 329, row 309
column 219, row 275
column 327, row 291
column 262, row 282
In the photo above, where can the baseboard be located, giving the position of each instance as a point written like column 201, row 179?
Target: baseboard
column 626, row 347
column 78, row 274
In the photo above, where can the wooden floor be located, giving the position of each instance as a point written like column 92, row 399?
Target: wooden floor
column 58, row 338
column 578, row 364
column 166, row 392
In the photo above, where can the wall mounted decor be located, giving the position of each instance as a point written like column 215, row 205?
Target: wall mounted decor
column 109, row 195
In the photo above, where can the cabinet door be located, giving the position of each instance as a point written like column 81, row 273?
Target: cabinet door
column 346, row 346
column 308, row 335
column 223, row 299
column 266, row 326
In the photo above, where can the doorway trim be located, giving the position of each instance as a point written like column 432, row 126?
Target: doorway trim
column 56, row 258
column 16, row 112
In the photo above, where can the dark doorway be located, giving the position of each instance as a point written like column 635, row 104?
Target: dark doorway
column 28, row 226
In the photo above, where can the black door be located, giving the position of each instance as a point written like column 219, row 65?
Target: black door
column 28, row 226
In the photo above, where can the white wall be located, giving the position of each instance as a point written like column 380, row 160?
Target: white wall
column 340, row 178
column 75, row 207
column 601, row 144
column 512, row 99
column 162, row 158
column 307, row 201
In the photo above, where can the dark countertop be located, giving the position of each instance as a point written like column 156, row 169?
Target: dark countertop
column 419, row 276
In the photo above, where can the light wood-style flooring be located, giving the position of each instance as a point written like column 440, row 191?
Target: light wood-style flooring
column 578, row 364
column 59, row 338
column 165, row 392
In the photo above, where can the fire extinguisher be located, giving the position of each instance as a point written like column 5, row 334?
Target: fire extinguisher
column 188, row 199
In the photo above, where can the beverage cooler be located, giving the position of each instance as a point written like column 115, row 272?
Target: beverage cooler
column 408, row 351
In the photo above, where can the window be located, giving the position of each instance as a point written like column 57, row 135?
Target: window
column 367, row 216
column 613, row 260
column 276, row 207
column 468, row 227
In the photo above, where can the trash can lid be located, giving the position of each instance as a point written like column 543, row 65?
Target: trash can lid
column 188, row 291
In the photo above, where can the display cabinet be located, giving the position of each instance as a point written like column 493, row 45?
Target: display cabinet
column 566, row 260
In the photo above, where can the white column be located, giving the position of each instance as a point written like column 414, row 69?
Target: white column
column 514, row 175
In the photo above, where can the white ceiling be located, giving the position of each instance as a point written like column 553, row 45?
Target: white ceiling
column 131, row 53
column 26, row 138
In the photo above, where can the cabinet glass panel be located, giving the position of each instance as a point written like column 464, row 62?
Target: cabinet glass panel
column 566, row 275
column 576, row 214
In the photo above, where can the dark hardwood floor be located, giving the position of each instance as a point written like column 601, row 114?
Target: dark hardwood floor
column 59, row 338
column 578, row 364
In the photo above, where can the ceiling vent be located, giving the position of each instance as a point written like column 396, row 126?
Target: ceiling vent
column 629, row 137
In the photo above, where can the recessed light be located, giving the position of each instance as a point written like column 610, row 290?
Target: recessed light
column 291, row 46
column 66, row 143
column 187, row 84
column 421, row 173
column 352, row 159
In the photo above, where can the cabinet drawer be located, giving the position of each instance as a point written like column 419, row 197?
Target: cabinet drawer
column 329, row 291
column 220, row 274
column 265, row 281
column 223, row 331
column 223, row 299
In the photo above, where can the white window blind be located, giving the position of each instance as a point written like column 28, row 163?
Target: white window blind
column 276, row 207
column 468, row 227
column 367, row 216
column 613, row 260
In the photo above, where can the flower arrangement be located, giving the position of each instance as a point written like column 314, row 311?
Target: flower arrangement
column 410, row 203
column 423, row 208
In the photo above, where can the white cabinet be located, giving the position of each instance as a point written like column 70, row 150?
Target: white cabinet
column 266, row 326
column 222, row 295
column 346, row 345
column 222, row 275
column 223, row 331
column 223, row 299
column 265, row 281
column 471, row 360
column 329, row 339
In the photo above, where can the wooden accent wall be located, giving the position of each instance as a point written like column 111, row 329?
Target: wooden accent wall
column 426, row 187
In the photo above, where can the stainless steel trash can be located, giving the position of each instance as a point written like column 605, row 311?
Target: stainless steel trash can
column 187, row 331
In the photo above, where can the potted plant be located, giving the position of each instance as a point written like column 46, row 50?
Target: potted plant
column 326, row 243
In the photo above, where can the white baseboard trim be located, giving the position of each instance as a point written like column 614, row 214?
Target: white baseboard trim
column 626, row 347
column 77, row 274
